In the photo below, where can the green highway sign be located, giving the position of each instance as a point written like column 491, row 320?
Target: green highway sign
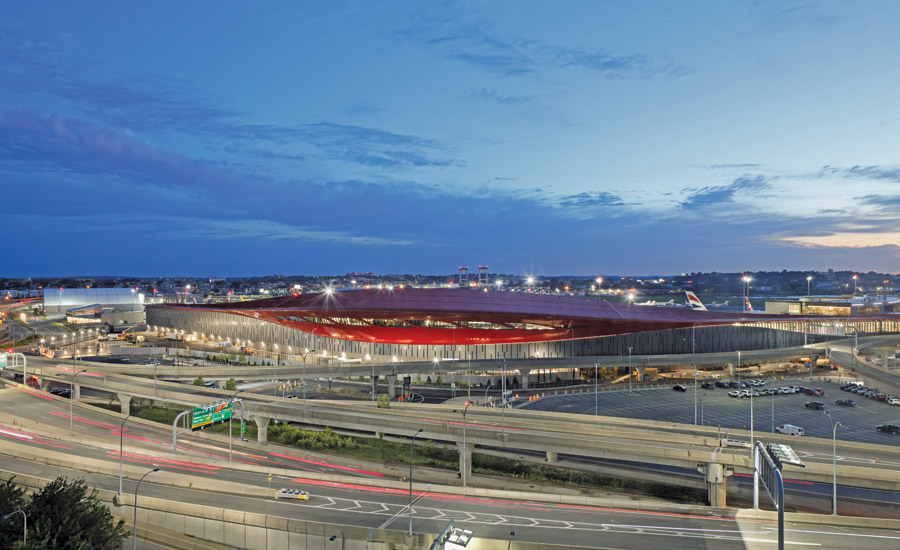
column 2, row 360
column 211, row 414
column 783, row 454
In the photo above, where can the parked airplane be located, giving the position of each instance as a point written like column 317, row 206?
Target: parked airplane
column 654, row 303
column 694, row 302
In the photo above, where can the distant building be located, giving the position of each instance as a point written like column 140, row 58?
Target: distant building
column 115, row 305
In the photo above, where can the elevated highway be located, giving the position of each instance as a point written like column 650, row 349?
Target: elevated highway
column 522, row 366
column 550, row 433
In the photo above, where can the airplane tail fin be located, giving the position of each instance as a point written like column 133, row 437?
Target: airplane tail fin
column 694, row 302
column 749, row 307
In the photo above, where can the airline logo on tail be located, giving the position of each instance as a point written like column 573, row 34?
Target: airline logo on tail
column 694, row 302
column 749, row 307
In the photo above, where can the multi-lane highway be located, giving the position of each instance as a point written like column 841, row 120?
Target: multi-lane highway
column 377, row 507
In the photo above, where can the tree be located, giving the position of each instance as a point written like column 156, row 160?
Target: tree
column 12, row 498
column 384, row 402
column 198, row 381
column 231, row 384
column 68, row 516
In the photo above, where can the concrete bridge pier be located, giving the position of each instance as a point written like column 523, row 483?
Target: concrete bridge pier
column 45, row 384
column 374, row 386
column 523, row 373
column 732, row 369
column 716, row 480
column 640, row 371
column 124, row 403
column 465, row 461
column 76, row 392
column 262, row 425
column 392, row 385
column 552, row 457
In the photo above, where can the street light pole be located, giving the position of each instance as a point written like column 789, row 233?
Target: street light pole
column 834, row 426
column 121, row 443
column 596, row 408
column 511, row 535
column 630, row 348
column 503, row 399
column 71, row 400
column 808, row 280
column 332, row 537
column 411, row 444
column 229, row 421
column 24, row 526
column 465, row 462
column 695, row 393
column 134, row 521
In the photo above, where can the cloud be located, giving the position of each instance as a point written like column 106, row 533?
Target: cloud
column 724, row 194
column 59, row 143
column 189, row 228
column 488, row 52
column 493, row 95
column 877, row 173
column 136, row 103
column 727, row 166
column 591, row 198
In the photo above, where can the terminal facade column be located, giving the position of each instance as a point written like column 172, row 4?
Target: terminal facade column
column 523, row 373
column 392, row 385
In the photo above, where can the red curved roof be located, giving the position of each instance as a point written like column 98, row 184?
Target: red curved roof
column 352, row 315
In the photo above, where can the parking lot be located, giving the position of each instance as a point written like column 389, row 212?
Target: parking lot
column 716, row 408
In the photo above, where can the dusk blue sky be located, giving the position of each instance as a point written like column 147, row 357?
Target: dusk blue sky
column 593, row 138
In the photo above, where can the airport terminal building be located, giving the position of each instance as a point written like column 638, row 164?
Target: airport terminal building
column 425, row 324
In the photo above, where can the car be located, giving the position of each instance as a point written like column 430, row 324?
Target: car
column 292, row 493
column 813, row 392
column 708, row 386
column 734, row 393
column 720, row 384
column 880, row 397
column 845, row 402
column 889, row 428
column 735, row 443
column 734, row 384
column 862, row 391
column 679, row 387
column 893, row 401
column 815, row 405
column 789, row 429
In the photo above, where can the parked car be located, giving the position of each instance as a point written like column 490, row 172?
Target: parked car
column 815, row 392
column 889, row 428
column 679, row 387
column 734, row 393
column 708, row 386
column 845, row 402
column 880, row 396
column 789, row 429
column 815, row 405
column 720, row 384
column 893, row 401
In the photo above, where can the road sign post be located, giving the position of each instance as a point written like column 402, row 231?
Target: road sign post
column 767, row 462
